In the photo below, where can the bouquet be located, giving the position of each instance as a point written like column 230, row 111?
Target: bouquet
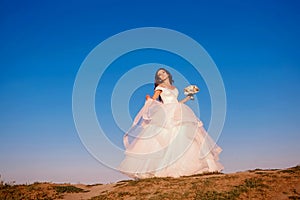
column 191, row 90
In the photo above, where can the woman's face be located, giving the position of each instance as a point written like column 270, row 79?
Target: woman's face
column 162, row 74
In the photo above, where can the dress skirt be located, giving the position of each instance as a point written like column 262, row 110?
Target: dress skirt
column 168, row 140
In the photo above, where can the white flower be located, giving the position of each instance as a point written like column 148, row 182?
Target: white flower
column 191, row 89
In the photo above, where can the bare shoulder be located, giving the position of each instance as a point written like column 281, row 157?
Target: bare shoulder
column 166, row 86
column 159, row 88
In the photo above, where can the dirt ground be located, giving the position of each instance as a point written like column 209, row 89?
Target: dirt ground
column 252, row 184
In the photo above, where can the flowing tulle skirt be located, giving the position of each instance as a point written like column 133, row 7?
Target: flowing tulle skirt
column 168, row 140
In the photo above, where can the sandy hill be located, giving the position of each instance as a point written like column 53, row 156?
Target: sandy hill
column 252, row 184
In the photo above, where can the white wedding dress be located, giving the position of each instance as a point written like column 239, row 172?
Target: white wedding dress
column 168, row 140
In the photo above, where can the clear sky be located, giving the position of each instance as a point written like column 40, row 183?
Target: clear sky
column 255, row 45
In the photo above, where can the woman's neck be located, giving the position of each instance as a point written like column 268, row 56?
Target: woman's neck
column 167, row 82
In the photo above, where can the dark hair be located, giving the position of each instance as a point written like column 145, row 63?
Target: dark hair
column 158, row 81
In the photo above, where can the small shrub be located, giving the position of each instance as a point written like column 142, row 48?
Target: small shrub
column 122, row 194
column 133, row 183
column 68, row 189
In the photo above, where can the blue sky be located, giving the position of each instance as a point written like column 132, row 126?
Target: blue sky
column 255, row 45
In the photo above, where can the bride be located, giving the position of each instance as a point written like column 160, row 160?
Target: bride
column 166, row 138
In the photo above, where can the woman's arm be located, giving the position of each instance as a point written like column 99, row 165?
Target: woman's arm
column 185, row 99
column 155, row 95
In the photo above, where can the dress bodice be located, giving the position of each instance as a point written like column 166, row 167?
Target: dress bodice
column 168, row 95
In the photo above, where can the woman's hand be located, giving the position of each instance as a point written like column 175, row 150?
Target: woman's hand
column 185, row 99
column 148, row 97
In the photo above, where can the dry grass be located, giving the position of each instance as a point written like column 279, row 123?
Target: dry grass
column 252, row 184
